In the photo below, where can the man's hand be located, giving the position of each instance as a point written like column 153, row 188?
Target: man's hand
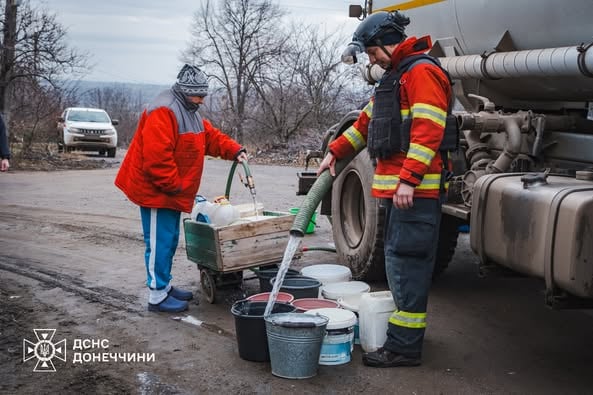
column 329, row 162
column 4, row 165
column 242, row 157
column 404, row 196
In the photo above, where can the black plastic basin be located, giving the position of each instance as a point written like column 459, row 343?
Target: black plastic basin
column 251, row 328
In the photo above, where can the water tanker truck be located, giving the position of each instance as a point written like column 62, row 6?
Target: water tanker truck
column 523, row 184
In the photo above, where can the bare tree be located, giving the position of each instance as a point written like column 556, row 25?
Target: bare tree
column 283, row 106
column 40, row 51
column 34, row 58
column 9, row 27
column 34, row 114
column 300, row 89
column 233, row 41
column 322, row 73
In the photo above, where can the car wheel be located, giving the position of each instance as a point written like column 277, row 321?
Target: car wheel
column 111, row 152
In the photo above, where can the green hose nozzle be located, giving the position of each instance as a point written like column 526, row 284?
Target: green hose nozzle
column 318, row 190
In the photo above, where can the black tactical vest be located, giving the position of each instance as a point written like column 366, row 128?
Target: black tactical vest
column 388, row 134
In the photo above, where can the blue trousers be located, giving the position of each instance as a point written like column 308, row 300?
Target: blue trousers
column 411, row 239
column 161, row 236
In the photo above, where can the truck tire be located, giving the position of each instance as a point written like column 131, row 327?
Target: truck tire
column 111, row 152
column 358, row 220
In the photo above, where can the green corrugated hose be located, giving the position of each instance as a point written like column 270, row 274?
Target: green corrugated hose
column 248, row 183
column 313, row 198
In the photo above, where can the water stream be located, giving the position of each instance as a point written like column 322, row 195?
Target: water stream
column 291, row 248
column 254, row 205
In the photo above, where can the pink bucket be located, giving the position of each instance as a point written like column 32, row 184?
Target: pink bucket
column 306, row 304
column 283, row 297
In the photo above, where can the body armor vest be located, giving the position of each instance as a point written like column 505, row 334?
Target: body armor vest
column 388, row 133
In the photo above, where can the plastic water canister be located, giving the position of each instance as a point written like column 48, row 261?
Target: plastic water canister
column 328, row 273
column 202, row 209
column 224, row 213
column 374, row 311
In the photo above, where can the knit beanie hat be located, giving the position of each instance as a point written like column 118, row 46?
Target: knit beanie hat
column 192, row 81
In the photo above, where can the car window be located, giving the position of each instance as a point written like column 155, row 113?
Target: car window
column 88, row 116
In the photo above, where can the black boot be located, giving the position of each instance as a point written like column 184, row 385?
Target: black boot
column 383, row 358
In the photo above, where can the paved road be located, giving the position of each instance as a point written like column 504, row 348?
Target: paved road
column 71, row 259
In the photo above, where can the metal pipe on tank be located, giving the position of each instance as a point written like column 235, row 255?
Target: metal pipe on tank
column 549, row 62
column 511, row 149
column 474, row 125
column 477, row 152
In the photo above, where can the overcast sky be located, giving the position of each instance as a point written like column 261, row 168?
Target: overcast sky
column 140, row 41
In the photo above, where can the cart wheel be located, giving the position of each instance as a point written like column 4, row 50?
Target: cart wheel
column 208, row 285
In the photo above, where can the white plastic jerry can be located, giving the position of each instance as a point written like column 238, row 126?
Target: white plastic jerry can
column 373, row 315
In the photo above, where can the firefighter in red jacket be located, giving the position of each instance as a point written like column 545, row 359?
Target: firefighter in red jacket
column 161, row 173
column 402, row 127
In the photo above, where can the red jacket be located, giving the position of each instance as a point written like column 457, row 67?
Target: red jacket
column 163, row 168
column 424, row 96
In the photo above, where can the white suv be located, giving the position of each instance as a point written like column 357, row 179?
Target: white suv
column 87, row 129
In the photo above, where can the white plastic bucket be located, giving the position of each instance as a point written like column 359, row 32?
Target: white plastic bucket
column 345, row 290
column 327, row 273
column 338, row 341
column 374, row 311
column 352, row 305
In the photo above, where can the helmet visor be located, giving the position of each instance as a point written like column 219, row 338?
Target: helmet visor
column 352, row 51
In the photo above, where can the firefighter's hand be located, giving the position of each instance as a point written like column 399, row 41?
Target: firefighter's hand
column 404, row 196
column 329, row 162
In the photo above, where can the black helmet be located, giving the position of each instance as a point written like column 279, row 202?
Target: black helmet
column 378, row 29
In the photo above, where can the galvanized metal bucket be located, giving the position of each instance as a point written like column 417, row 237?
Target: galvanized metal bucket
column 294, row 341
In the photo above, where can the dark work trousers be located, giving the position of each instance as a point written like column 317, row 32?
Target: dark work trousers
column 411, row 239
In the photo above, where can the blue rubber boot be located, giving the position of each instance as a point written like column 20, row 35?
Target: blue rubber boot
column 181, row 294
column 169, row 305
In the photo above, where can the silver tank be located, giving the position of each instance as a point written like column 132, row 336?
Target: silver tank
column 479, row 25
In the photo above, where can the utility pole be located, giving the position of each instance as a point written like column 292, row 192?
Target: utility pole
column 7, row 56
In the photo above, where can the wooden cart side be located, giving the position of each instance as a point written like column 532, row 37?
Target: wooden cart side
column 253, row 251
column 202, row 244
column 272, row 224
column 255, row 243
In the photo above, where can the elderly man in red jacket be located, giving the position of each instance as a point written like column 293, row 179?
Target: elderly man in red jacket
column 161, row 173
